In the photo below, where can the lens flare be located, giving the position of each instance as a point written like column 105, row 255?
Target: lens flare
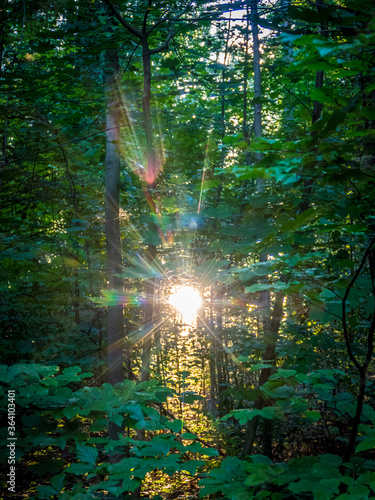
column 187, row 301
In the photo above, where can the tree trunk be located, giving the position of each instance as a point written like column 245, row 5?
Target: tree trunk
column 316, row 114
column 220, row 351
column 112, row 224
column 269, row 356
column 149, row 311
column 257, row 79
column 264, row 295
column 212, row 358
column 151, row 172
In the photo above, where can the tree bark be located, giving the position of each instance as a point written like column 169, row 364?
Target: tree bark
column 257, row 76
column 149, row 311
column 220, row 350
column 151, row 174
column 245, row 126
column 264, row 295
column 316, row 114
column 112, row 223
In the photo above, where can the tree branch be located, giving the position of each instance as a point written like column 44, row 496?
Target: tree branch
column 146, row 16
column 171, row 32
column 123, row 21
column 158, row 23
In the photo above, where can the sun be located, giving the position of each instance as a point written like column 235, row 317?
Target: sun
column 187, row 301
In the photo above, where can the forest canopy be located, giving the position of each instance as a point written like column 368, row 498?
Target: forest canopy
column 187, row 249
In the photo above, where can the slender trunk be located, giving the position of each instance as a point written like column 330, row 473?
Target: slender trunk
column 178, row 375
column 112, row 225
column 149, row 312
column 246, row 77
column 158, row 313
column 219, row 307
column 3, row 25
column 219, row 355
column 88, row 260
column 269, row 356
column 203, row 382
column 245, row 126
column 316, row 114
column 212, row 387
column 257, row 79
column 77, row 318
column 264, row 295
column 151, row 174
column 212, row 361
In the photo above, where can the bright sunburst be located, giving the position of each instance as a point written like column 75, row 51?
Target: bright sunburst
column 187, row 301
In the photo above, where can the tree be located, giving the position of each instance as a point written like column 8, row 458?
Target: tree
column 112, row 220
column 153, row 162
column 299, row 191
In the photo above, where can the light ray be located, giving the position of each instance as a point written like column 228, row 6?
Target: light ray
column 225, row 348
column 139, row 336
column 205, row 166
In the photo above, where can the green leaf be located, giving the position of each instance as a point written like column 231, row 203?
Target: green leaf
column 243, row 416
column 46, row 492
column 70, row 411
column 116, row 419
column 367, row 444
column 87, row 453
column 175, row 426
column 188, row 436
column 78, row 469
column 301, row 486
column 313, row 416
column 189, row 397
column 283, row 373
column 192, row 466
column 278, row 286
column 260, row 366
column 70, row 372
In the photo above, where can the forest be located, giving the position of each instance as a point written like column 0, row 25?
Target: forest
column 187, row 249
